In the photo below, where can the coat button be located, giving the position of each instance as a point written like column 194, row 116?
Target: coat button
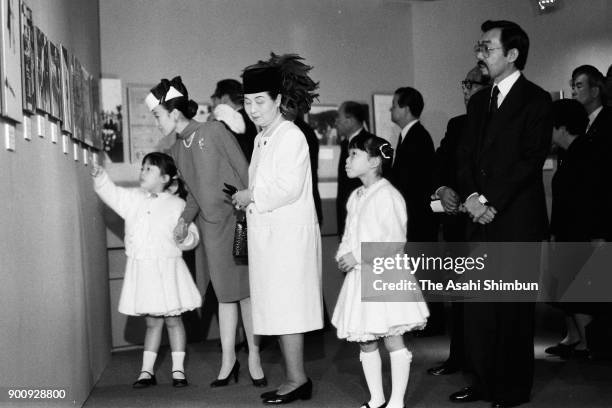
column 250, row 211
column 484, row 173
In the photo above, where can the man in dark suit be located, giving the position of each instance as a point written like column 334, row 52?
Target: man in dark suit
column 229, row 92
column 350, row 122
column 313, row 151
column 507, row 138
column 412, row 167
column 453, row 221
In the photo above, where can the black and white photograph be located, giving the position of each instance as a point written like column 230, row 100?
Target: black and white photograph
column 347, row 203
column 66, row 76
column 43, row 73
column 28, row 66
column 55, row 68
column 10, row 91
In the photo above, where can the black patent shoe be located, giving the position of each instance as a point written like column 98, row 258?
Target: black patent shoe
column 179, row 382
column 444, row 369
column 145, row 382
column 268, row 394
column 260, row 382
column 303, row 392
column 561, row 350
column 468, row 394
column 224, row 381
column 367, row 405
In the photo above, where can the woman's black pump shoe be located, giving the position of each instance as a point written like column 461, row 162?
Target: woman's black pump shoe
column 303, row 392
column 145, row 382
column 224, row 381
column 260, row 382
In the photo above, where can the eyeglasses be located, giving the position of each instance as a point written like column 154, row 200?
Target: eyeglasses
column 485, row 50
column 468, row 85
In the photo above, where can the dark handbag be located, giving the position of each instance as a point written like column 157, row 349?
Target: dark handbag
column 240, row 248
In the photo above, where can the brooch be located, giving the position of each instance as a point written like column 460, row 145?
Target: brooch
column 201, row 144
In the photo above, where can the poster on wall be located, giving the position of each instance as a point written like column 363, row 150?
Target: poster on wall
column 10, row 44
column 43, row 82
column 145, row 137
column 112, row 119
column 86, row 102
column 27, row 59
column 66, row 76
column 77, row 100
column 56, row 81
column 96, row 127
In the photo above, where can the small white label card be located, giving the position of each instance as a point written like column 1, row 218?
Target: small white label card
column 9, row 136
column 85, row 155
column 54, row 131
column 41, row 126
column 75, row 151
column 27, row 127
column 65, row 144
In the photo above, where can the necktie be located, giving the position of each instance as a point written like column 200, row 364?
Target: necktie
column 493, row 101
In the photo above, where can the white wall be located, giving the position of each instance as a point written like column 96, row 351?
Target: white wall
column 356, row 47
column 55, row 328
column 445, row 31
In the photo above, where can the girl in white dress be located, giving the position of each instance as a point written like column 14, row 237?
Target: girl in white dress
column 376, row 212
column 157, row 283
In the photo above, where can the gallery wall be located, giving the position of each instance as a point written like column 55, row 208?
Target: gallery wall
column 356, row 47
column 54, row 292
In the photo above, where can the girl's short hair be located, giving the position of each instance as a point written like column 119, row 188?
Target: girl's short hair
column 374, row 146
column 166, row 167
column 183, row 104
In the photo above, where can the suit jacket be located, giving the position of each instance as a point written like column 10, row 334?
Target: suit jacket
column 411, row 174
column 502, row 159
column 345, row 184
column 313, row 150
column 445, row 174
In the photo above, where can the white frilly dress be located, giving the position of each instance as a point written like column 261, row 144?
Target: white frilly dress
column 157, row 281
column 374, row 214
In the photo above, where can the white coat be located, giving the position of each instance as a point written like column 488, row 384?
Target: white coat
column 283, row 236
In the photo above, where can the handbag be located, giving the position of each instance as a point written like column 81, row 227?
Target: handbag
column 240, row 247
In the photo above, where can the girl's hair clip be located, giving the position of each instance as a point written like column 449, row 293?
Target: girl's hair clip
column 175, row 177
column 383, row 154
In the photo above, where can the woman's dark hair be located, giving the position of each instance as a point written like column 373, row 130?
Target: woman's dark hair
column 374, row 146
column 297, row 88
column 166, row 167
column 183, row 104
column 571, row 114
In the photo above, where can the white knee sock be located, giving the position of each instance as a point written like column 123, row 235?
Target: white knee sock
column 372, row 370
column 178, row 357
column 148, row 361
column 400, row 371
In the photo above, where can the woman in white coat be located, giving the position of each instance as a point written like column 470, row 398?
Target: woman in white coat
column 283, row 231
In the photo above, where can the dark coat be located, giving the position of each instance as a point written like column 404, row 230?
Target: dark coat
column 313, row 150
column 411, row 174
column 503, row 161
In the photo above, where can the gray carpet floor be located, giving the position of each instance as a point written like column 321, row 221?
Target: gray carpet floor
column 338, row 382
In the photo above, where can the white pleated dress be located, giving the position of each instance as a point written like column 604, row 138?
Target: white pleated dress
column 157, row 281
column 374, row 214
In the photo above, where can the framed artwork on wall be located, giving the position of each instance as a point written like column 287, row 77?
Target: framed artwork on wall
column 144, row 135
column 43, row 81
column 86, row 101
column 27, row 59
column 66, row 77
column 383, row 126
column 322, row 119
column 112, row 119
column 77, row 100
column 10, row 45
column 55, row 80
column 96, row 127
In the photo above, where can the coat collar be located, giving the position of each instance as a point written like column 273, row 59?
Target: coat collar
column 189, row 129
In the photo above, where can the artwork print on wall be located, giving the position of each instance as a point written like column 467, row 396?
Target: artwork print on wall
column 96, row 127
column 86, row 103
column 66, row 68
column 55, row 81
column 27, row 59
column 77, row 100
column 43, row 82
column 12, row 103
column 112, row 119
